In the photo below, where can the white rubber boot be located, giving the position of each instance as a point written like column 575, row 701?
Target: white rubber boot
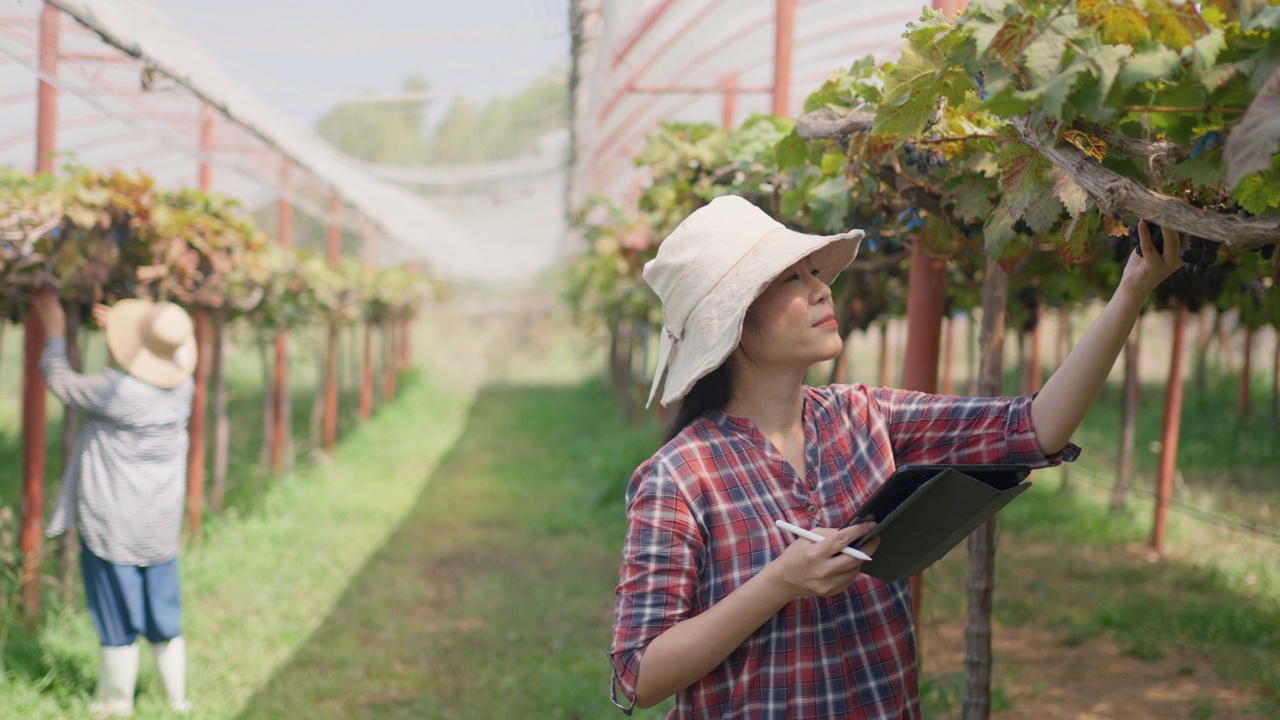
column 171, row 663
column 116, row 680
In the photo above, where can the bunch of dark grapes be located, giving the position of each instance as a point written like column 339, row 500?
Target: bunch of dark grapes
column 922, row 160
column 1199, row 255
column 1266, row 251
column 1157, row 238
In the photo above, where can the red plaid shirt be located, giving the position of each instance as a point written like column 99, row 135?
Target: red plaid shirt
column 700, row 523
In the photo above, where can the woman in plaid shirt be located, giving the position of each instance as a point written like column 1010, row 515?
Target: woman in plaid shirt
column 715, row 604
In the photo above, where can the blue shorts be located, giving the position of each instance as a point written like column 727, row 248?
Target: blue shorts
column 128, row 600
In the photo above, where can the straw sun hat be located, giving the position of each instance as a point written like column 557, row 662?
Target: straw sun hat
column 154, row 342
column 711, row 268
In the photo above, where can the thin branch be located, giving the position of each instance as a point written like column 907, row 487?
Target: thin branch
column 1182, row 109
column 825, row 123
column 883, row 262
column 1116, row 193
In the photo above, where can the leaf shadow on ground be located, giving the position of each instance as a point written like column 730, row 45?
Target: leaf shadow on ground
column 494, row 596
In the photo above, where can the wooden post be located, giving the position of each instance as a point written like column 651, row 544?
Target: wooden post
column 390, row 362
column 784, row 31
column 948, row 354
column 1035, row 367
column 196, row 426
column 33, row 387
column 1169, row 436
column 280, row 386
column 331, row 346
column 406, row 340
column 982, row 543
column 1246, row 369
column 366, row 367
column 221, row 424
column 1128, row 418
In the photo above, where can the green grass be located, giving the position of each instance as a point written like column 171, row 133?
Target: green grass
column 262, row 580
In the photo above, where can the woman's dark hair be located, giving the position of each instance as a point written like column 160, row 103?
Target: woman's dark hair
column 712, row 391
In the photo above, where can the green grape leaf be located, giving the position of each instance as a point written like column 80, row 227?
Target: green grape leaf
column 1207, row 48
column 1148, row 65
column 998, row 233
column 972, row 203
column 1042, row 212
column 1254, row 141
column 1259, row 193
column 829, row 205
column 1053, row 92
column 1044, row 56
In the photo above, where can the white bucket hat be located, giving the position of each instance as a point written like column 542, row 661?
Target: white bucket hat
column 154, row 342
column 708, row 272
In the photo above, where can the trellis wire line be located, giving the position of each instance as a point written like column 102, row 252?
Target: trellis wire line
column 1189, row 510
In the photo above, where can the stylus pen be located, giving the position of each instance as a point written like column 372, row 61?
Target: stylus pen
column 808, row 535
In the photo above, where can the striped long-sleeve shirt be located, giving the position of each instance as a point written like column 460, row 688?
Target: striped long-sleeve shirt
column 701, row 514
column 124, row 483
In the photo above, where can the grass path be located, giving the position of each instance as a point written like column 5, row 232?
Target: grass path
column 492, row 599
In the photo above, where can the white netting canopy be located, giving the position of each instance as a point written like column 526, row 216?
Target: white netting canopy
column 131, row 86
column 641, row 63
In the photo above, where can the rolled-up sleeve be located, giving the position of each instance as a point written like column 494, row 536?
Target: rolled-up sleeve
column 659, row 573
column 94, row 393
column 928, row 429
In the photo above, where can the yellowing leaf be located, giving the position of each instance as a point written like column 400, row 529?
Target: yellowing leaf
column 1120, row 23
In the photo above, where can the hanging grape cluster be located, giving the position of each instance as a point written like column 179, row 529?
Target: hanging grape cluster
column 1199, row 254
column 923, row 160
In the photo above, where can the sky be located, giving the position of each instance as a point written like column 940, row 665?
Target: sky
column 303, row 56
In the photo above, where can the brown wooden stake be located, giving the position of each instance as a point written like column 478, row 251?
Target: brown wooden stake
column 196, row 428
column 1246, row 370
column 1169, row 436
column 279, row 401
column 331, row 389
column 389, row 359
column 1128, row 418
column 221, row 424
column 948, row 354
column 976, row 703
column 406, row 341
column 884, row 353
column 69, row 543
column 281, row 432
column 330, row 394
column 784, row 31
column 1275, row 382
column 1035, row 367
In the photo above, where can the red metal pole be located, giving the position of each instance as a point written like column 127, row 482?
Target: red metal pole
column 33, row 387
column 389, row 362
column 200, row 400
column 730, row 100
column 284, row 212
column 1169, row 436
column 331, row 348
column 784, row 31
